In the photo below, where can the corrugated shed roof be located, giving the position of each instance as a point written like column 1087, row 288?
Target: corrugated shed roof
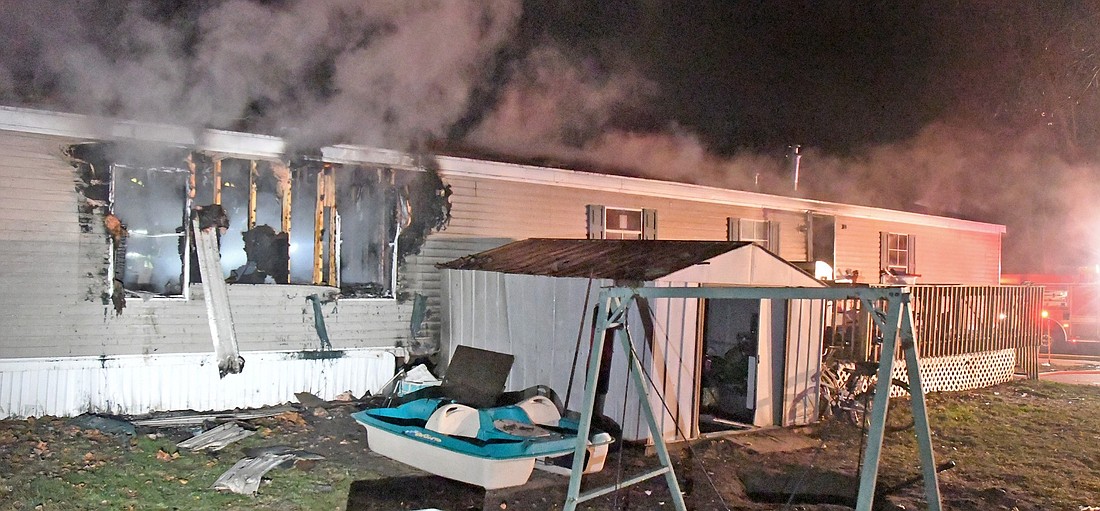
column 640, row 260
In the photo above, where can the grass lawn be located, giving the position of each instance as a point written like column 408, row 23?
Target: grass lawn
column 1028, row 445
column 1037, row 441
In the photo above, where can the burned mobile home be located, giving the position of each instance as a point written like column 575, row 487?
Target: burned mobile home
column 331, row 256
column 112, row 313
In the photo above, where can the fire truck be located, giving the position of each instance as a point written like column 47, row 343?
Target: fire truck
column 1071, row 310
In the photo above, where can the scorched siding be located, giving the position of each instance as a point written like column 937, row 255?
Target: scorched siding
column 53, row 262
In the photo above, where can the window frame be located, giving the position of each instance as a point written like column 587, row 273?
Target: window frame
column 597, row 222
column 770, row 241
column 889, row 252
column 622, row 233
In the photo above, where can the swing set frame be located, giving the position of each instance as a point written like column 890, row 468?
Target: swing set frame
column 890, row 309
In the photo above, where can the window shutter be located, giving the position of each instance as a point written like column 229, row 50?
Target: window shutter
column 733, row 229
column 911, row 267
column 773, row 237
column 649, row 224
column 595, row 221
column 884, row 255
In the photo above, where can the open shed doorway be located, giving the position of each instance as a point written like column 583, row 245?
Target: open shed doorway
column 728, row 364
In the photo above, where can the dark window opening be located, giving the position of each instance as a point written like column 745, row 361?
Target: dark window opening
column 151, row 203
column 303, row 192
column 313, row 223
column 366, row 201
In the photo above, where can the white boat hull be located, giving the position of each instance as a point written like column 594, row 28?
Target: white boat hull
column 488, row 473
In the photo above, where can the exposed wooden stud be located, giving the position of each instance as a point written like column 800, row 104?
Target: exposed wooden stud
column 282, row 173
column 253, row 178
column 319, row 228
column 333, row 227
column 218, row 181
column 285, row 187
column 192, row 181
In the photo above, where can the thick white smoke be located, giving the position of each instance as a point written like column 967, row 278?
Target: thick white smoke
column 378, row 72
column 392, row 73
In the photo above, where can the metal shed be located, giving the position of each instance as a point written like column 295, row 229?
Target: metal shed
column 719, row 364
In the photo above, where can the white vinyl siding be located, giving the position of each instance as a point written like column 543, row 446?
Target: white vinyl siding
column 946, row 256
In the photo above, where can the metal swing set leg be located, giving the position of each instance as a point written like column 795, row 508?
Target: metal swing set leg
column 898, row 313
column 611, row 313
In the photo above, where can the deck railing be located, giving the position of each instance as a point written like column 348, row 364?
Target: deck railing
column 952, row 320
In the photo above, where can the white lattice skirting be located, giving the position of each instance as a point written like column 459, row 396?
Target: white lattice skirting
column 961, row 372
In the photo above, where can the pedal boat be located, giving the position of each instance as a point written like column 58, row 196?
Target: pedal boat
column 494, row 447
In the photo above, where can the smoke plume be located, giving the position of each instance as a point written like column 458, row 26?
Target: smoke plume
column 394, row 73
column 378, row 72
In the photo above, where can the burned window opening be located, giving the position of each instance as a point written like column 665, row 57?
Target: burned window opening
column 303, row 186
column 141, row 240
column 151, row 203
column 366, row 202
column 317, row 223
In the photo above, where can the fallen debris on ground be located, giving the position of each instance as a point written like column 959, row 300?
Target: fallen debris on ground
column 217, row 438
column 107, row 425
column 192, row 418
column 245, row 476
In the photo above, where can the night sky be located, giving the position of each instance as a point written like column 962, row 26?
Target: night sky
column 979, row 109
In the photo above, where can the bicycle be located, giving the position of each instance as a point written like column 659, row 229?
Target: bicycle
column 848, row 390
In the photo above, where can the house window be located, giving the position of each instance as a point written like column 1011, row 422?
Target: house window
column 614, row 223
column 762, row 232
column 898, row 253
column 316, row 224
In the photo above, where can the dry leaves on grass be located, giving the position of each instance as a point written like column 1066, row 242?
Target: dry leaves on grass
column 294, row 418
column 164, row 456
column 41, row 448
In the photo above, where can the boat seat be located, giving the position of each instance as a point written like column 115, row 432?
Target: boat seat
column 455, row 420
column 541, row 410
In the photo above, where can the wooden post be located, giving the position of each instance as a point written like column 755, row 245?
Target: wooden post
column 319, row 228
column 253, row 176
column 218, row 181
